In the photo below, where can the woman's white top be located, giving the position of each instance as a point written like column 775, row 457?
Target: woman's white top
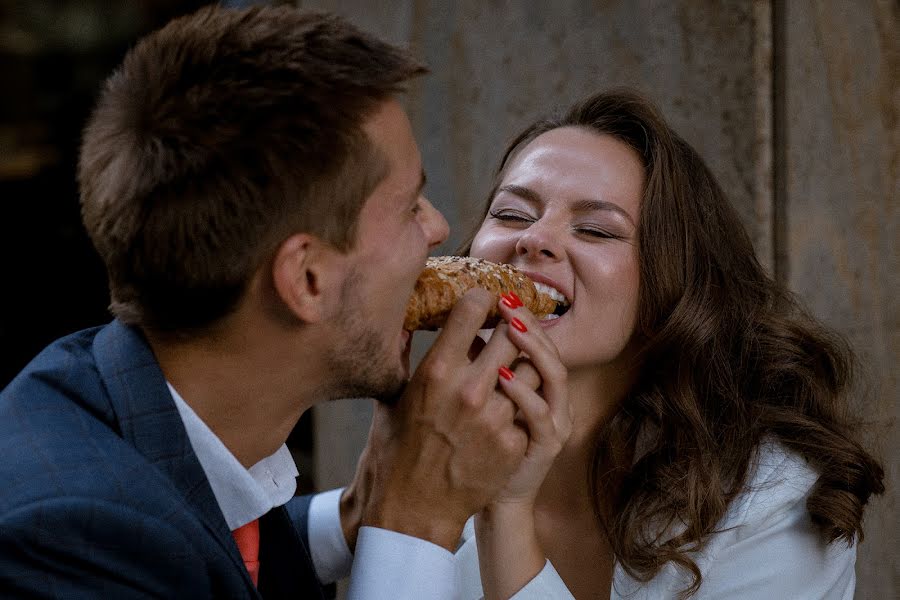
column 767, row 547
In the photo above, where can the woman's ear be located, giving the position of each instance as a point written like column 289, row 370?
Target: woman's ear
column 304, row 271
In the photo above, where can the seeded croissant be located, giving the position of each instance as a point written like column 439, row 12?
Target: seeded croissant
column 446, row 278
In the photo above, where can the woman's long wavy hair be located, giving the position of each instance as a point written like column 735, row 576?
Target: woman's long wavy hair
column 729, row 358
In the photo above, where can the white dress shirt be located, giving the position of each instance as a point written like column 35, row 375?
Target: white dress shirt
column 387, row 565
column 766, row 546
column 243, row 494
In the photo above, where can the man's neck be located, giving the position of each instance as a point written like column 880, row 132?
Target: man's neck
column 248, row 383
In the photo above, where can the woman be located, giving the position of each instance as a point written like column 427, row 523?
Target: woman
column 708, row 452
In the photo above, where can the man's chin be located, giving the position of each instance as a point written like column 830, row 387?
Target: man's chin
column 392, row 398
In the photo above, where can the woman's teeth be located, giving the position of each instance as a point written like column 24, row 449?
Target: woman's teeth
column 550, row 291
column 562, row 304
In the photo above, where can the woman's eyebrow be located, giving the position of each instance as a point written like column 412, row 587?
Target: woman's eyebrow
column 590, row 205
column 522, row 192
column 580, row 206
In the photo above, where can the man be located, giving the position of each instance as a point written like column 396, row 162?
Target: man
column 255, row 192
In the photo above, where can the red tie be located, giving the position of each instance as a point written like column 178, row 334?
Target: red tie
column 247, row 538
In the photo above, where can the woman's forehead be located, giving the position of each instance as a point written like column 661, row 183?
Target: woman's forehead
column 581, row 165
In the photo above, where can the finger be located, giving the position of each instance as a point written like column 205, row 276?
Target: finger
column 544, row 356
column 503, row 413
column 462, row 324
column 534, row 409
column 523, row 321
column 499, row 351
column 526, row 373
column 530, row 338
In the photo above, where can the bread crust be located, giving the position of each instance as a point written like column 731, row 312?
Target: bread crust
column 446, row 278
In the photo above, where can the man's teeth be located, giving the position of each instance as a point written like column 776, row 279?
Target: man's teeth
column 549, row 317
column 552, row 292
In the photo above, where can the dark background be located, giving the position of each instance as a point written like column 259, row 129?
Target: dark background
column 54, row 57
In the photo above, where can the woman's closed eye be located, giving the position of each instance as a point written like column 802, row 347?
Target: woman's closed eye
column 511, row 216
column 596, row 232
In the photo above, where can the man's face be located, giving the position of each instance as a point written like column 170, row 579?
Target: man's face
column 397, row 228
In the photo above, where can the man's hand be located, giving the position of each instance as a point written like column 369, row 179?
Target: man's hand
column 450, row 443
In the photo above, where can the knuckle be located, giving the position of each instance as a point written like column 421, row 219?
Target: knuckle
column 436, row 369
column 472, row 397
column 473, row 302
column 512, row 443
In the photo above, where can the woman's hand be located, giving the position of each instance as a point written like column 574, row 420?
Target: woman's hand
column 509, row 552
column 538, row 387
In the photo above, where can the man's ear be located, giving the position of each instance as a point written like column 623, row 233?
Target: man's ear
column 305, row 272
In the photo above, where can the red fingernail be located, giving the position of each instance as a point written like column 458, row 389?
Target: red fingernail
column 516, row 299
column 518, row 325
column 505, row 373
column 508, row 301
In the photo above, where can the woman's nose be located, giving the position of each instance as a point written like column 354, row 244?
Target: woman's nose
column 539, row 241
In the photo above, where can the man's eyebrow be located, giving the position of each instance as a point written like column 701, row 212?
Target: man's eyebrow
column 580, row 206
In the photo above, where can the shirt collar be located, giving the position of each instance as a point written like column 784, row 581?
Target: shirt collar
column 243, row 494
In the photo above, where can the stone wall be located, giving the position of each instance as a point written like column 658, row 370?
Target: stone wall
column 793, row 104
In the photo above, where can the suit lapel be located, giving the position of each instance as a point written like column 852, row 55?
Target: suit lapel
column 148, row 419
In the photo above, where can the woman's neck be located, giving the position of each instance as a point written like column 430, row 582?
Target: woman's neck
column 594, row 399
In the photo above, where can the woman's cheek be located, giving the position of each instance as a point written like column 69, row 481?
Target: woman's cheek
column 490, row 245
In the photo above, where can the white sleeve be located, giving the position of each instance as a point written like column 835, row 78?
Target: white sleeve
column 785, row 557
column 546, row 585
column 774, row 550
column 328, row 548
column 392, row 566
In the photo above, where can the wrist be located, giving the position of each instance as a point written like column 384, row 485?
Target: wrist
column 439, row 529
column 504, row 511
column 509, row 550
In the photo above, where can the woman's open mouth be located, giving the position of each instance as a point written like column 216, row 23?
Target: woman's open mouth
column 562, row 303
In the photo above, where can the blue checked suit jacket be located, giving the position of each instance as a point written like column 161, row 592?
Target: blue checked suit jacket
column 102, row 496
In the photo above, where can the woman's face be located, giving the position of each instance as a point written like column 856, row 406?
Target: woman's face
column 566, row 213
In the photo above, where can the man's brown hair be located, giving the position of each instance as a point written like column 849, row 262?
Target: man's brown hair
column 219, row 136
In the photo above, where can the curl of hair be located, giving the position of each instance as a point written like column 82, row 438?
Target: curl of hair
column 729, row 358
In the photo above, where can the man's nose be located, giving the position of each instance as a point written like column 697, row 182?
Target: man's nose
column 436, row 227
